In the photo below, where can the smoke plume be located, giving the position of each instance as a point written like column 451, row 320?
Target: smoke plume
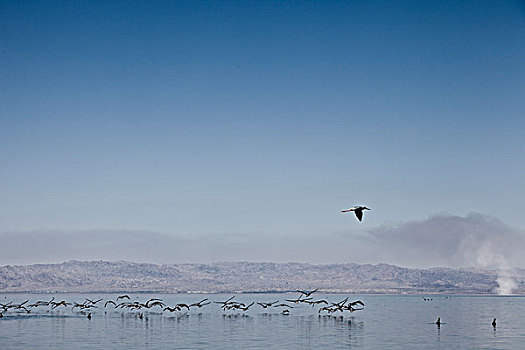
column 475, row 240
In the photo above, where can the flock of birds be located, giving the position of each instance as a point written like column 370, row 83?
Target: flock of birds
column 123, row 302
column 304, row 297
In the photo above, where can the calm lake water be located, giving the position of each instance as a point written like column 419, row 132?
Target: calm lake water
column 387, row 322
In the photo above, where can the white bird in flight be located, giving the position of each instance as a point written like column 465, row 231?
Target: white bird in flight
column 358, row 210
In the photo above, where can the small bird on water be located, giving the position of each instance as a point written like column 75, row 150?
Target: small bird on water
column 358, row 210
column 494, row 323
column 438, row 322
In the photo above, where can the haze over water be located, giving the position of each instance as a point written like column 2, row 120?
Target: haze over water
column 387, row 322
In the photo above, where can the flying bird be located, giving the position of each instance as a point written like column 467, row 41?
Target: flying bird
column 265, row 305
column 356, row 302
column 201, row 303
column 171, row 309
column 245, row 308
column 225, row 303
column 299, row 300
column 315, row 302
column 308, row 293
column 358, row 210
column 110, row 302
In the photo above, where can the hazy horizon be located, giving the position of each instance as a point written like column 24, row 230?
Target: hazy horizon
column 442, row 240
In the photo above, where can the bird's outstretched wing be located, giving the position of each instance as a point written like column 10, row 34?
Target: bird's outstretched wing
column 359, row 214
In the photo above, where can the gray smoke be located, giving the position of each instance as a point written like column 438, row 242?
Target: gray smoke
column 507, row 282
column 474, row 240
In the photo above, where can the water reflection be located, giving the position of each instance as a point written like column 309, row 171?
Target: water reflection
column 467, row 326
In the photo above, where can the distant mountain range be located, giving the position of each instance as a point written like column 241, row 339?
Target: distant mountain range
column 235, row 277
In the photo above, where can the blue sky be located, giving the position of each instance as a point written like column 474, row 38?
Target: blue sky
column 260, row 119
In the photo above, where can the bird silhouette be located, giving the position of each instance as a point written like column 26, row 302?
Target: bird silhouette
column 201, row 303
column 308, row 293
column 358, row 210
column 265, row 305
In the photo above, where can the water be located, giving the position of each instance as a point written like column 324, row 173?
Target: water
column 387, row 322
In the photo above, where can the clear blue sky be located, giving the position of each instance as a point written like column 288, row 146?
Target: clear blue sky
column 259, row 118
